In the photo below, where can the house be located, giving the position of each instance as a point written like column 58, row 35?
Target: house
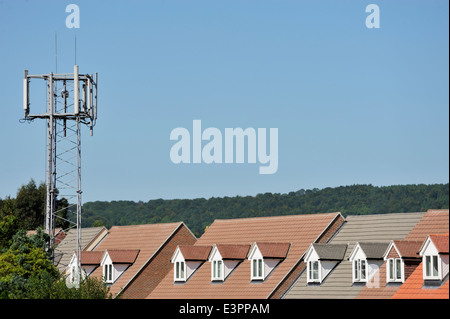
column 136, row 258
column 366, row 238
column 90, row 237
column 90, row 261
column 321, row 260
column 366, row 259
column 402, row 256
column 401, row 259
column 242, row 258
column 430, row 279
column 434, row 254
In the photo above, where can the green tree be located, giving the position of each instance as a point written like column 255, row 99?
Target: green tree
column 9, row 224
column 26, row 272
column 30, row 204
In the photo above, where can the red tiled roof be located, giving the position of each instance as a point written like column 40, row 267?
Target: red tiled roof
column 440, row 242
column 195, row 252
column 273, row 250
column 299, row 230
column 91, row 257
column 408, row 248
column 434, row 222
column 123, row 256
column 233, row 251
column 413, row 288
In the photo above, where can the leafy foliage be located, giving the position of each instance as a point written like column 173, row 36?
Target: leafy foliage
column 26, row 271
column 199, row 213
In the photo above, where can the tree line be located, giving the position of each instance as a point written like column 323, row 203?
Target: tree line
column 199, row 213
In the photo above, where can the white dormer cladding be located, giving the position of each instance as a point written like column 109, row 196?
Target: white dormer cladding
column 90, row 261
column 435, row 262
column 179, row 264
column 109, row 273
column 186, row 260
column 71, row 270
column 366, row 259
column 265, row 257
column 220, row 269
column 315, row 273
column 320, row 259
column 359, row 265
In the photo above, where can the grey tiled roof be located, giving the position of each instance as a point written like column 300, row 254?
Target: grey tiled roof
column 64, row 251
column 374, row 250
column 330, row 251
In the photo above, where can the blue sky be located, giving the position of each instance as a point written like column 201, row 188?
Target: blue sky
column 352, row 105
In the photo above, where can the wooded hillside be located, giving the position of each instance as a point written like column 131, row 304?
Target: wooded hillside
column 200, row 213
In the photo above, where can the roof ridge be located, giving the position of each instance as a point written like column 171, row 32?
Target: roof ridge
column 443, row 235
column 385, row 214
column 143, row 225
column 275, row 217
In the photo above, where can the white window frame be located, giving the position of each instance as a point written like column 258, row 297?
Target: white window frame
column 108, row 273
column 432, row 269
column 72, row 275
column 179, row 270
column 359, row 274
column 393, row 267
column 257, row 269
column 314, row 275
column 217, row 270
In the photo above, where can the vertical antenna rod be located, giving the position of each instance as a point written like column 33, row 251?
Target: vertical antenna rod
column 75, row 50
column 56, row 53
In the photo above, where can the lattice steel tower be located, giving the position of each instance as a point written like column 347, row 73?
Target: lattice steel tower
column 71, row 100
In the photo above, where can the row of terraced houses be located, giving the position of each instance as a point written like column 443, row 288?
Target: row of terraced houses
column 388, row 256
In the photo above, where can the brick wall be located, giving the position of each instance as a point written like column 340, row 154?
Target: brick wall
column 158, row 267
column 410, row 266
column 393, row 253
column 331, row 230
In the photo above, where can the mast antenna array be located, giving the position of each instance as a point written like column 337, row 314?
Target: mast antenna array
column 68, row 105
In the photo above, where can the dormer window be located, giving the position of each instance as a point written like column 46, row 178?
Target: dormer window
column 115, row 262
column 320, row 259
column 257, row 269
column 435, row 260
column 366, row 259
column 108, row 272
column 313, row 271
column 399, row 255
column 187, row 259
column 217, row 271
column 225, row 258
column 395, row 270
column 180, row 274
column 432, row 267
column 265, row 257
column 359, row 270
